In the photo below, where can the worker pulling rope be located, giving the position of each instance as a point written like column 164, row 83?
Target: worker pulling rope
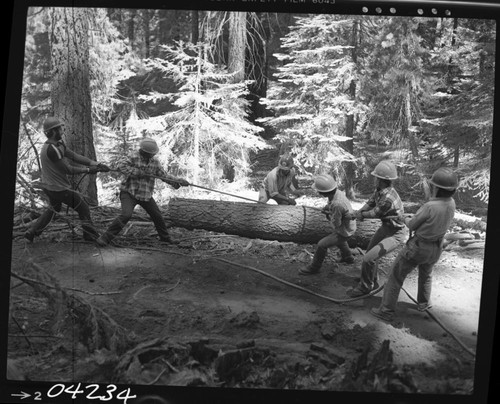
column 196, row 186
column 342, row 301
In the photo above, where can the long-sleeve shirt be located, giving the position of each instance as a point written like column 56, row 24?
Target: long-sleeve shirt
column 433, row 219
column 54, row 158
column 340, row 215
column 386, row 202
column 276, row 184
column 141, row 187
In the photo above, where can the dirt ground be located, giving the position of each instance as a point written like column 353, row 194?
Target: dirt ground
column 198, row 321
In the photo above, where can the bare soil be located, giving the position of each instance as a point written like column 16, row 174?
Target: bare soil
column 198, row 321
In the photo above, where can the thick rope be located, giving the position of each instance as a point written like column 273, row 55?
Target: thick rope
column 338, row 301
column 433, row 316
column 342, row 301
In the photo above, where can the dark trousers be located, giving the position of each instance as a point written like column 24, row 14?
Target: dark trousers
column 128, row 203
column 336, row 239
column 74, row 201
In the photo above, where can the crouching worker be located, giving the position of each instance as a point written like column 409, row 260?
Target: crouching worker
column 339, row 212
column 57, row 164
column 386, row 205
column 140, row 169
column 424, row 248
column 278, row 183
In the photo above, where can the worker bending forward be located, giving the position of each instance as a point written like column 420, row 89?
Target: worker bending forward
column 385, row 204
column 279, row 182
column 424, row 248
column 339, row 212
column 141, row 168
column 57, row 162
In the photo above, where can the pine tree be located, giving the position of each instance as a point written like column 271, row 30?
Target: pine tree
column 209, row 129
column 310, row 100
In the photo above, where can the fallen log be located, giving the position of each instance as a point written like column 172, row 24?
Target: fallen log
column 299, row 224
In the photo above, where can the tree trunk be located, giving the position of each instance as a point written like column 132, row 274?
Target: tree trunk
column 407, row 129
column 299, row 224
column 131, row 27
column 256, row 65
column 237, row 45
column 70, row 89
column 195, row 31
column 349, row 145
column 147, row 32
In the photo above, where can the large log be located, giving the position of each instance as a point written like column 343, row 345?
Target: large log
column 299, row 224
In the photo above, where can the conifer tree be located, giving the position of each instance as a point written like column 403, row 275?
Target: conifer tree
column 209, row 129
column 310, row 100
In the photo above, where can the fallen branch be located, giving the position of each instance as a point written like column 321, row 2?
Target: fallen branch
column 29, row 280
column 95, row 328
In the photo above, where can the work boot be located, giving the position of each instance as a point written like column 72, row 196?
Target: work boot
column 101, row 241
column 376, row 312
column 423, row 306
column 347, row 260
column 29, row 236
column 357, row 292
column 314, row 267
column 90, row 233
column 168, row 240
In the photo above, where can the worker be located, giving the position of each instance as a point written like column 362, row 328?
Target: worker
column 57, row 163
column 140, row 169
column 424, row 247
column 340, row 214
column 386, row 205
column 278, row 183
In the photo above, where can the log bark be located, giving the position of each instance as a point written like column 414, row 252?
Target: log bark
column 299, row 224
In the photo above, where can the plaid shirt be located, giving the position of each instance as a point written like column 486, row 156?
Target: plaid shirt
column 386, row 202
column 141, row 188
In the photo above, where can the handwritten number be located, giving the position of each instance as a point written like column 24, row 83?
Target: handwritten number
column 95, row 387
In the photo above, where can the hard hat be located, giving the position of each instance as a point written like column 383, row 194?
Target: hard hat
column 324, row 183
column 445, row 178
column 286, row 162
column 50, row 123
column 148, row 145
column 385, row 170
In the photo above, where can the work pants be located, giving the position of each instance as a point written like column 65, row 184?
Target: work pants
column 74, row 201
column 385, row 240
column 416, row 253
column 337, row 240
column 128, row 203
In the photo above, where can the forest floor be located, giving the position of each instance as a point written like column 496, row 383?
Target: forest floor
column 187, row 296
column 196, row 320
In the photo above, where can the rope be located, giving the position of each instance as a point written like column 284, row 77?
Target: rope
column 304, row 220
column 341, row 301
column 338, row 301
column 433, row 316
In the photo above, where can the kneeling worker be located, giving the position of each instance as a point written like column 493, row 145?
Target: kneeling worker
column 340, row 214
column 279, row 182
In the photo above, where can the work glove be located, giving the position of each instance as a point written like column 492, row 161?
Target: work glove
column 103, row 168
column 358, row 215
column 182, row 182
column 350, row 216
column 291, row 201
